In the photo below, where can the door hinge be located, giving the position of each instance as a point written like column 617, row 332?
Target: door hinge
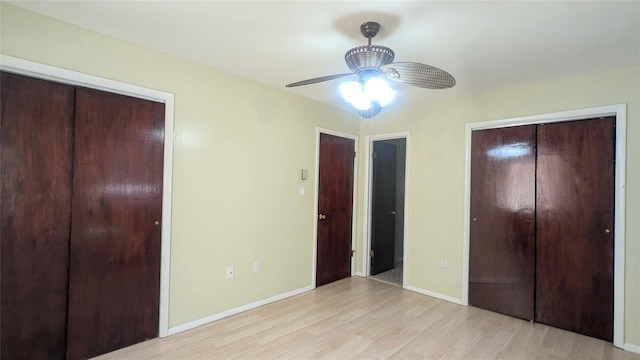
column 353, row 253
column 374, row 155
column 371, row 254
column 354, row 154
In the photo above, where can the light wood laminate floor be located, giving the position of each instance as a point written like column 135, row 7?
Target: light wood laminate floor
column 359, row 318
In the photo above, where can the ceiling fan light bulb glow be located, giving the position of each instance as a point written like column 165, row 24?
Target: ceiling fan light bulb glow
column 386, row 97
column 362, row 103
column 377, row 89
column 352, row 93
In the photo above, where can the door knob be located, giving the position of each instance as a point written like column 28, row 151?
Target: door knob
column 607, row 231
column 392, row 212
column 157, row 223
column 322, row 216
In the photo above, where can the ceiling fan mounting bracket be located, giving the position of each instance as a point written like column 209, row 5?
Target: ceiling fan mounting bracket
column 369, row 29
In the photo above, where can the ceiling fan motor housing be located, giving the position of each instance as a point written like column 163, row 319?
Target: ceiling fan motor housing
column 368, row 57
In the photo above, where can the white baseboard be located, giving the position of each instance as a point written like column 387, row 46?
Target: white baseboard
column 224, row 314
column 358, row 273
column 632, row 348
column 435, row 295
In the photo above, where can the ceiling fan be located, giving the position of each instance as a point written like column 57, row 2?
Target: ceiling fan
column 372, row 64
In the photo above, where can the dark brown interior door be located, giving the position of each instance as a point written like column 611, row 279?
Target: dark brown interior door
column 335, row 208
column 575, row 217
column 115, row 237
column 501, row 266
column 36, row 132
column 383, row 209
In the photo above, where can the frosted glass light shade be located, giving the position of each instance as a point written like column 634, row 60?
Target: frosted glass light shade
column 361, row 97
column 353, row 93
column 376, row 89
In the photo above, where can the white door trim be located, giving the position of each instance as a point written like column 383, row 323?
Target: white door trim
column 366, row 224
column 315, row 202
column 47, row 72
column 620, row 112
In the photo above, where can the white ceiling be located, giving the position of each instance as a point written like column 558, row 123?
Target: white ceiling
column 484, row 45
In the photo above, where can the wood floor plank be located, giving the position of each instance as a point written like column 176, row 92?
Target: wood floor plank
column 359, row 318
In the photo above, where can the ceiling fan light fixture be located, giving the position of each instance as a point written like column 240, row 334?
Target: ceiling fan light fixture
column 353, row 93
column 370, row 112
column 376, row 89
column 363, row 96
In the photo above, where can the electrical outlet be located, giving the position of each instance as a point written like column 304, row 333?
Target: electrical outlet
column 257, row 266
column 444, row 263
column 230, row 272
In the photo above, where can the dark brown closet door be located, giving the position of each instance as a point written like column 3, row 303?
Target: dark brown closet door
column 335, row 209
column 575, row 205
column 501, row 266
column 36, row 130
column 116, row 209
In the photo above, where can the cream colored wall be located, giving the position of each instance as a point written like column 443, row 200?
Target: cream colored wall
column 436, row 178
column 239, row 147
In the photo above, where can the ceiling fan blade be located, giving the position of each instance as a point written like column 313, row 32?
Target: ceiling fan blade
column 319, row 79
column 420, row 75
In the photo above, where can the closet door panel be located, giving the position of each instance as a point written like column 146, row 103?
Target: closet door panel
column 36, row 129
column 501, row 266
column 575, row 218
column 116, row 210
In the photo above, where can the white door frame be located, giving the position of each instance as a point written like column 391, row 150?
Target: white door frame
column 353, row 200
column 46, row 72
column 368, row 185
column 620, row 112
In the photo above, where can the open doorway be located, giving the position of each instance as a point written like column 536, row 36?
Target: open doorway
column 386, row 209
